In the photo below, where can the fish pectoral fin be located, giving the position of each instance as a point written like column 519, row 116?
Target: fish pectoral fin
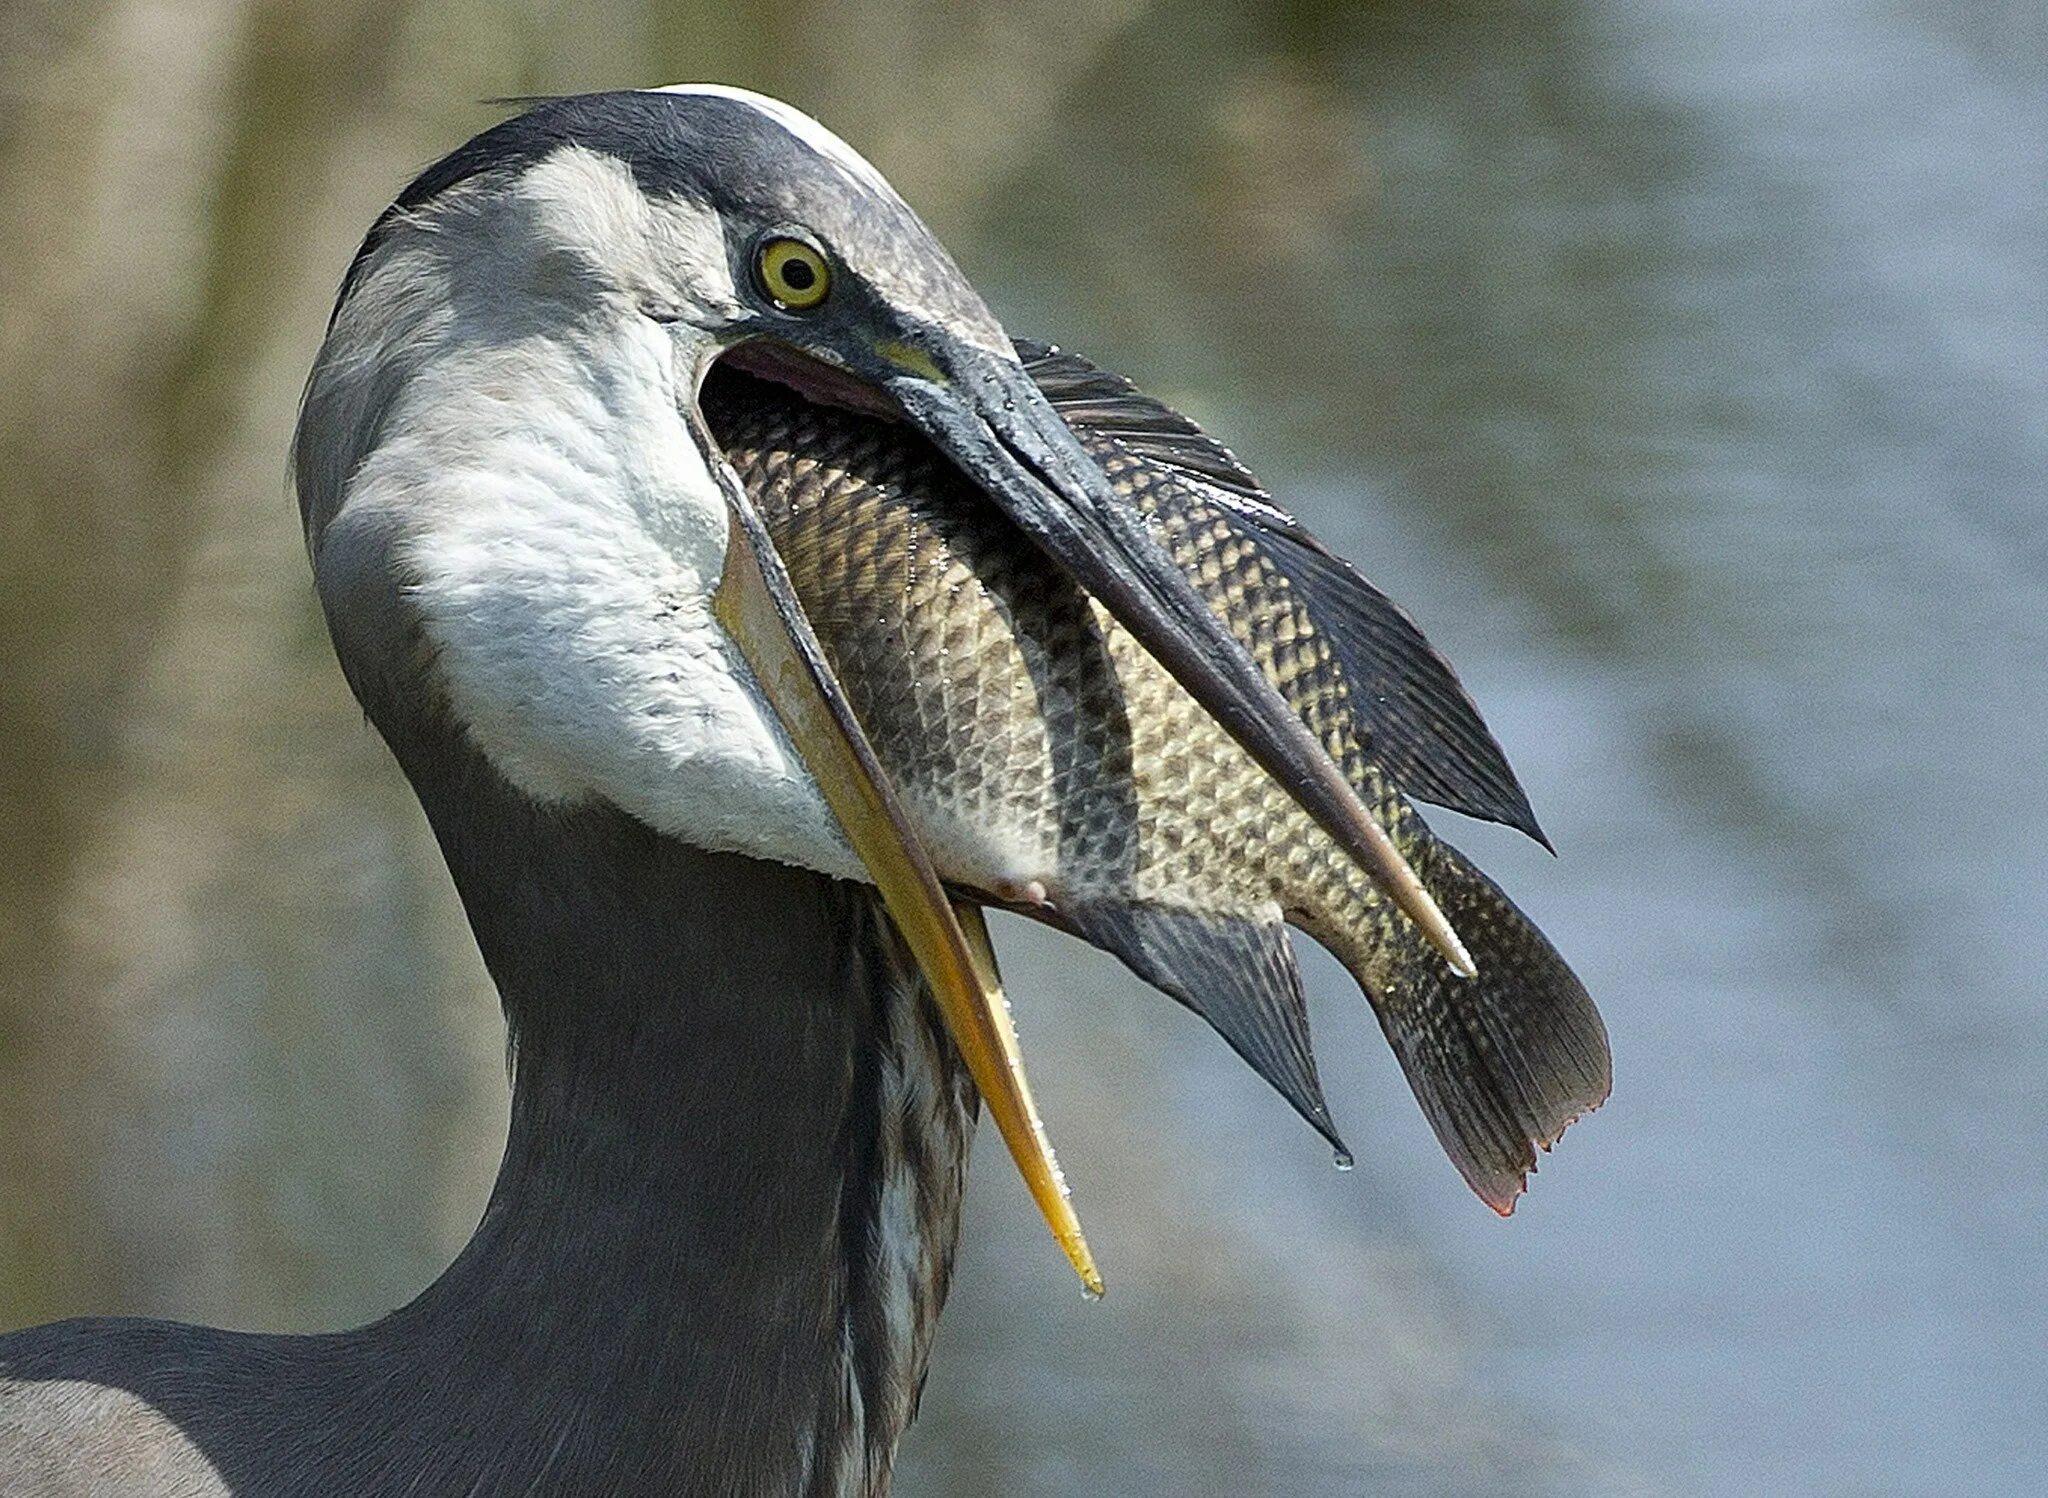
column 1237, row 974
column 1503, row 1062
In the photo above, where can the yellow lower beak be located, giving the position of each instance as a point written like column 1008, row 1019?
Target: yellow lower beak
column 758, row 607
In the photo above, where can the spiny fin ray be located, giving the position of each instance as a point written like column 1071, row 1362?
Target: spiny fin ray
column 1239, row 975
column 1416, row 720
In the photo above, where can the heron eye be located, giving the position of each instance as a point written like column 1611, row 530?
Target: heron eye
column 793, row 274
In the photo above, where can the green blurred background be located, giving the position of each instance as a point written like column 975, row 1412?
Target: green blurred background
column 1681, row 365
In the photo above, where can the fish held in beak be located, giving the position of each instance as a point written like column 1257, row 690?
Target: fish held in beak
column 758, row 608
column 1042, row 759
column 986, row 414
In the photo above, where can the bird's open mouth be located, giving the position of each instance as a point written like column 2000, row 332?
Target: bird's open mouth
column 811, row 378
column 986, row 417
column 989, row 420
column 757, row 604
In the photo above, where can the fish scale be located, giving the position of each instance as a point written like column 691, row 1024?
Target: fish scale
column 1000, row 698
column 1051, row 765
column 1256, row 601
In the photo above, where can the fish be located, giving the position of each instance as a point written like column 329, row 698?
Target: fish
column 1051, row 766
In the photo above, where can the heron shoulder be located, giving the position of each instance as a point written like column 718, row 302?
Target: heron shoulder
column 66, row 1434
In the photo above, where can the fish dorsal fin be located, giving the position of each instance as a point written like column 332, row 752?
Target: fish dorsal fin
column 1420, row 725
column 1090, row 397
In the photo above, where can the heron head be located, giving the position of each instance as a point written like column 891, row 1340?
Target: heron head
column 503, row 426
column 725, row 219
column 501, row 459
column 501, row 452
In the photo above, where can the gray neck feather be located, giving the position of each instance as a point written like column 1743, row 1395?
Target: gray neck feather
column 721, row 1066
column 691, row 1277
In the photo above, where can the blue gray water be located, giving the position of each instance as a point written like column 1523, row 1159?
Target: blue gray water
column 1684, row 372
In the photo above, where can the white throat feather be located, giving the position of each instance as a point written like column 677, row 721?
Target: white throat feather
column 560, row 535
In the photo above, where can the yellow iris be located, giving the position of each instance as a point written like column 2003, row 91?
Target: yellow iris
column 793, row 274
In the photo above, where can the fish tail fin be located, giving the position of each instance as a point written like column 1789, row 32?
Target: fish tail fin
column 1500, row 1063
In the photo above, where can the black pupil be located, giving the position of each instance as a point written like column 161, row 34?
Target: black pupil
column 798, row 274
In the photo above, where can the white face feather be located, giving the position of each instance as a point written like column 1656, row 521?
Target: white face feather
column 579, row 211
column 563, row 536
column 499, row 410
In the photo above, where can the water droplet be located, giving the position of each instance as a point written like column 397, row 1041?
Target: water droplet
column 1342, row 1160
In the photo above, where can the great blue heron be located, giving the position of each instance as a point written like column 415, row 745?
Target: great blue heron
column 744, row 1086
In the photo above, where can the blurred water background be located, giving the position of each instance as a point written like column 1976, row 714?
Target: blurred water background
column 1682, row 367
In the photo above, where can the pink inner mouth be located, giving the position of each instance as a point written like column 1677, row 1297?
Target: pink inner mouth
column 811, row 378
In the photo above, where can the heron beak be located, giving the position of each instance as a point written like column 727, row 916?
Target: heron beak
column 759, row 610
column 986, row 414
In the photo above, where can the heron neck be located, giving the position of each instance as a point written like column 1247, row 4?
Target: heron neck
column 722, row 1231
